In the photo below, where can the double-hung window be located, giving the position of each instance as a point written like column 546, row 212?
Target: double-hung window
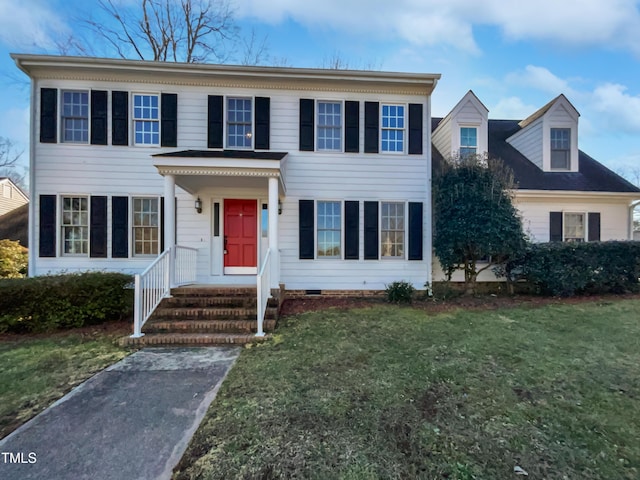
column 329, row 126
column 560, row 148
column 392, row 230
column 146, row 119
column 75, row 225
column 145, row 226
column 75, row 116
column 574, row 227
column 393, row 126
column 329, row 229
column 468, row 141
column 239, row 122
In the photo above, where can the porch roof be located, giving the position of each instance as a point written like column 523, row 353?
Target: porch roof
column 196, row 169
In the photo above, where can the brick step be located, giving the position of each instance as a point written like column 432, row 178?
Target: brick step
column 206, row 301
column 168, row 339
column 214, row 292
column 187, row 313
column 207, row 326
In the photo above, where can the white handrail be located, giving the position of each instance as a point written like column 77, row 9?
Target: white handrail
column 155, row 283
column 263, row 284
column 185, row 265
column 152, row 286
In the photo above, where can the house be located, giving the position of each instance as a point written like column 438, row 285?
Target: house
column 563, row 194
column 313, row 179
column 11, row 196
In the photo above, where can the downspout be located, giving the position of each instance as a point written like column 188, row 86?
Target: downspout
column 632, row 207
column 429, row 204
column 32, row 182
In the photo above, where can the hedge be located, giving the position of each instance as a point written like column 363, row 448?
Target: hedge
column 46, row 303
column 565, row 269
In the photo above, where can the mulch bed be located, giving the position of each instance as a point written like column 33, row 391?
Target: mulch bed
column 113, row 329
column 294, row 306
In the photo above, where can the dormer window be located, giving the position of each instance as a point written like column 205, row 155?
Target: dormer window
column 560, row 148
column 468, row 141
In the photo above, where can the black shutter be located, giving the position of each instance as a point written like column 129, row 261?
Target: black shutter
column 48, row 115
column 555, row 226
column 306, row 225
column 371, row 230
column 262, row 120
column 415, row 129
column 415, row 231
column 371, row 126
column 98, row 227
column 47, row 243
column 119, row 118
column 119, row 227
column 351, row 230
column 215, row 122
column 306, row 124
column 99, row 117
column 352, row 126
column 169, row 120
column 594, row 227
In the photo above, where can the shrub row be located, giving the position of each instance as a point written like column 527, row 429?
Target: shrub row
column 41, row 304
column 566, row 269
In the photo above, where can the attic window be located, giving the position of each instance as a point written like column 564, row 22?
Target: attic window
column 468, row 141
column 560, row 148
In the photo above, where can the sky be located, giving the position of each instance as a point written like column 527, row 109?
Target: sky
column 515, row 58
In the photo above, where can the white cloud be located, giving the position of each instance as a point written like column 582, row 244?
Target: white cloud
column 619, row 110
column 450, row 22
column 511, row 108
column 541, row 79
column 26, row 25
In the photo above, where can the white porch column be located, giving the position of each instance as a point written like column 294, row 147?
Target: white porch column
column 273, row 232
column 170, row 222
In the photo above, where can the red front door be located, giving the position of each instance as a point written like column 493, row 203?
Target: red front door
column 240, row 235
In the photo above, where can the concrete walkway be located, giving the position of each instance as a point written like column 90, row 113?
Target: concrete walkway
column 133, row 420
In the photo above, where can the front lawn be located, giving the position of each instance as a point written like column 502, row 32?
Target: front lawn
column 36, row 371
column 397, row 393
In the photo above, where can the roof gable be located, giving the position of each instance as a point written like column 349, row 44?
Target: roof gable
column 559, row 102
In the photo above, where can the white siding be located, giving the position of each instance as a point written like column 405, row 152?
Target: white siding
column 442, row 137
column 10, row 197
column 115, row 170
column 529, row 142
column 467, row 113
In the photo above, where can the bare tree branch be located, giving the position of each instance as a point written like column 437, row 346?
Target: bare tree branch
column 255, row 51
column 8, row 154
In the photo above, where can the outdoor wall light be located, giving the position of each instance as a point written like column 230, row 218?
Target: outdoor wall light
column 279, row 207
column 198, row 205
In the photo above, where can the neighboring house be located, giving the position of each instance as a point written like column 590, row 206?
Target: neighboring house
column 563, row 194
column 11, row 196
column 325, row 169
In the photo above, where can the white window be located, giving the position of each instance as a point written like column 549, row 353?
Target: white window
column 560, row 148
column 75, row 225
column 329, row 126
column 146, row 119
column 239, row 123
column 393, row 124
column 392, row 229
column 146, row 228
column 6, row 191
column 75, row 116
column 574, row 227
column 329, row 229
column 468, row 141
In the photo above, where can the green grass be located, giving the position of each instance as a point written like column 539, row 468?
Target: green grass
column 34, row 372
column 397, row 393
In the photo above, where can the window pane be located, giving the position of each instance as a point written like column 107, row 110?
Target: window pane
column 146, row 114
column 329, row 229
column 239, row 122
column 145, row 226
column 574, row 227
column 75, row 225
column 560, row 148
column 75, row 117
column 392, row 133
column 392, row 229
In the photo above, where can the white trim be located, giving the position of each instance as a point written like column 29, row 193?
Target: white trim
column 317, row 125
column 60, row 226
column 315, row 229
column 585, row 216
column 132, row 122
column 225, row 130
column 405, row 129
column 240, row 270
column 60, row 118
column 405, row 239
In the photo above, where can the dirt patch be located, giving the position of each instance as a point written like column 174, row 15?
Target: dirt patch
column 294, row 306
